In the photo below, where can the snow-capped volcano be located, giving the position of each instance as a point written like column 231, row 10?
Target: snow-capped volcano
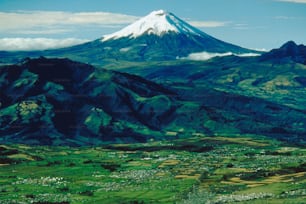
column 163, row 36
column 157, row 23
column 159, row 36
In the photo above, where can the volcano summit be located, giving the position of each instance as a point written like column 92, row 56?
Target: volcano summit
column 163, row 36
column 156, row 23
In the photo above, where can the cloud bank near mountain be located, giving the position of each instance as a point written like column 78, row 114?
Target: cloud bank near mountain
column 203, row 56
column 27, row 44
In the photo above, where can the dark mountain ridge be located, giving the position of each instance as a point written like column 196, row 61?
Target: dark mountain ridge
column 59, row 98
column 61, row 102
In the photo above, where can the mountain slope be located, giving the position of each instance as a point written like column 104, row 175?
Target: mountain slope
column 58, row 101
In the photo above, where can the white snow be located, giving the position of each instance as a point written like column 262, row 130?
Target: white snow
column 158, row 23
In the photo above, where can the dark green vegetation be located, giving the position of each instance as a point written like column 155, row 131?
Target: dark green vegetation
column 242, row 168
column 61, row 102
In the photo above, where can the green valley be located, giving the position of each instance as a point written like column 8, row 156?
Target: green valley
column 200, row 169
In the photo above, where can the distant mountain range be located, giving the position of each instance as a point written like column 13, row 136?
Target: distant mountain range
column 290, row 51
column 278, row 75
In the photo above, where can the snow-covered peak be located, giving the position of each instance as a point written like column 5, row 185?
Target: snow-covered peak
column 157, row 23
column 158, row 13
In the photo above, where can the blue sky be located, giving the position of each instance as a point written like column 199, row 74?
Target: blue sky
column 249, row 23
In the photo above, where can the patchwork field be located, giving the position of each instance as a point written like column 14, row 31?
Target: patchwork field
column 245, row 169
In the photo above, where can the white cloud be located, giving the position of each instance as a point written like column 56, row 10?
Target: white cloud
column 248, row 55
column 260, row 49
column 241, row 26
column 26, row 44
column 57, row 21
column 203, row 24
column 37, row 31
column 284, row 18
column 203, row 56
column 294, row 1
